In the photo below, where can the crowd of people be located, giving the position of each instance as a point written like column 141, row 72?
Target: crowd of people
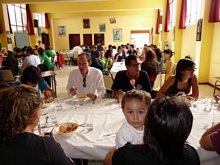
column 151, row 133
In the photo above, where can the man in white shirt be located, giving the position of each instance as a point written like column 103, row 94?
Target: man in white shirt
column 77, row 49
column 86, row 80
column 31, row 59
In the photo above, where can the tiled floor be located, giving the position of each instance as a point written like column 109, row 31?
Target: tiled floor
column 62, row 78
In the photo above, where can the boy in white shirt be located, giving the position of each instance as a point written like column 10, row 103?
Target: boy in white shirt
column 135, row 104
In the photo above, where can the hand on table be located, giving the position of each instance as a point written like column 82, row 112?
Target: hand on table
column 73, row 91
column 48, row 93
column 92, row 96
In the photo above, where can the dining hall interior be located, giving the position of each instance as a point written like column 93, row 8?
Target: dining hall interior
column 198, row 38
column 76, row 22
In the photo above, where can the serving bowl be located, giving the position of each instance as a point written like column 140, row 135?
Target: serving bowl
column 65, row 129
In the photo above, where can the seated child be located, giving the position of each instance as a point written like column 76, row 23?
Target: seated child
column 135, row 104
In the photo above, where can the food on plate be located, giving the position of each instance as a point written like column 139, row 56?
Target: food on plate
column 65, row 128
column 189, row 98
column 48, row 100
column 82, row 95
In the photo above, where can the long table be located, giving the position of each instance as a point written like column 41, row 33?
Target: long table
column 107, row 117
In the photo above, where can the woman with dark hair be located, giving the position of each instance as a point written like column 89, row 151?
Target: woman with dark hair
column 120, row 56
column 11, row 62
column 150, row 66
column 160, row 61
column 183, row 81
column 107, row 60
column 32, row 77
column 168, row 124
column 20, row 113
column 169, row 64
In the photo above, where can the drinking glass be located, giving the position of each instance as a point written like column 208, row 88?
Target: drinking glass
column 53, row 116
column 88, row 123
column 75, row 100
column 208, row 103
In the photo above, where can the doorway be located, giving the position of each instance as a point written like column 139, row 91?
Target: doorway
column 99, row 39
column 45, row 39
column 87, row 39
column 74, row 40
column 140, row 37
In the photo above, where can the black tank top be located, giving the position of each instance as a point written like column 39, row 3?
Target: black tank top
column 173, row 90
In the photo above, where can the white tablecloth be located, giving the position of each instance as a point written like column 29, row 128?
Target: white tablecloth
column 107, row 118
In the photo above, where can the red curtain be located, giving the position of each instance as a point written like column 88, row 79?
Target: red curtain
column 9, row 22
column 214, row 15
column 30, row 26
column 158, row 22
column 47, row 25
column 167, row 21
column 183, row 13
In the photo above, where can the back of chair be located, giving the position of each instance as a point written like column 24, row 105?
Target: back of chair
column 108, row 82
column 8, row 76
column 159, row 81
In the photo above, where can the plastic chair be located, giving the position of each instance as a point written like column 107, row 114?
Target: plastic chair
column 66, row 59
column 108, row 83
column 160, row 79
column 53, row 81
column 8, row 76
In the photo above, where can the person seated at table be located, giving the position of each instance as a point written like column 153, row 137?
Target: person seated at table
column 120, row 56
column 96, row 59
column 86, row 80
column 210, row 140
column 135, row 104
column 132, row 51
column 30, row 59
column 44, row 58
column 169, row 64
column 122, row 81
column 150, row 66
column 20, row 113
column 32, row 77
column 183, row 81
column 11, row 62
column 49, row 52
column 168, row 124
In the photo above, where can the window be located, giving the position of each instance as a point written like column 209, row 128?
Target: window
column 193, row 12
column 41, row 18
column 17, row 14
column 172, row 14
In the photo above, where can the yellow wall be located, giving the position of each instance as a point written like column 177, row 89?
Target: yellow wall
column 189, row 42
column 75, row 25
column 215, row 55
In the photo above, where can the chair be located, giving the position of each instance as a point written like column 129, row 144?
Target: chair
column 159, row 81
column 75, row 57
column 108, row 83
column 53, row 81
column 216, row 84
column 67, row 60
column 8, row 76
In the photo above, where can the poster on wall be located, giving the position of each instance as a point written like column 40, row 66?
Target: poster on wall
column 199, row 30
column 62, row 30
column 86, row 23
column 8, row 34
column 117, row 34
column 112, row 20
column 102, row 27
column 39, row 31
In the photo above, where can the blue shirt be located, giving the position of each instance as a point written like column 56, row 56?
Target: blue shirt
column 41, row 86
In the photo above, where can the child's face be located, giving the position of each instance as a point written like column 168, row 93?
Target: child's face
column 135, row 112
